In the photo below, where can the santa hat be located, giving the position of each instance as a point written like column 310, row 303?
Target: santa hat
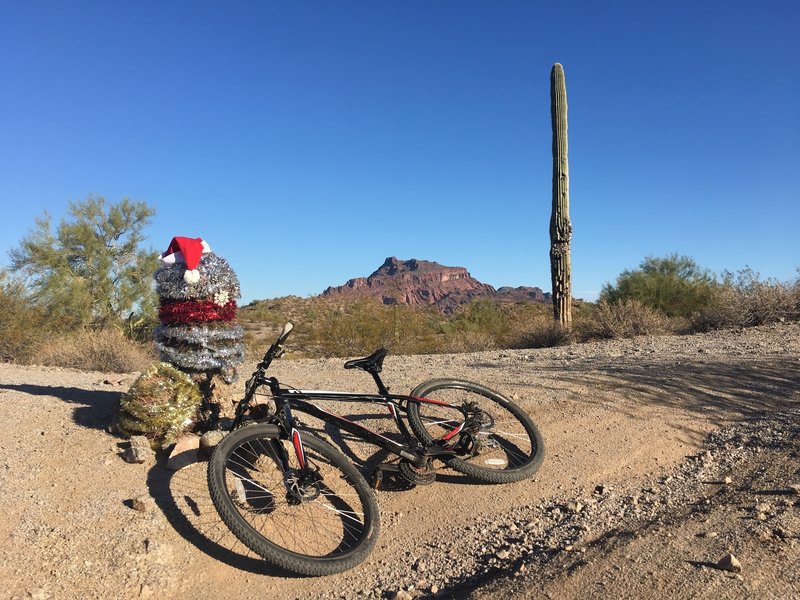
column 189, row 251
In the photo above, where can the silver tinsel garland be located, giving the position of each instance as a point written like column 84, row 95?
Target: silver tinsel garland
column 199, row 333
column 202, row 358
column 216, row 278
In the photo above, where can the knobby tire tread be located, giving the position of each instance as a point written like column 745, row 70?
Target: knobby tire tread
column 283, row 558
column 484, row 474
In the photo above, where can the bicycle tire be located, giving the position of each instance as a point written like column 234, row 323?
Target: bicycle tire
column 509, row 447
column 323, row 534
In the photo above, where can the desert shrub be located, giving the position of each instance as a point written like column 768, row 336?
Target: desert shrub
column 23, row 326
column 546, row 335
column 366, row 324
column 744, row 300
column 623, row 319
column 107, row 350
column 480, row 316
column 467, row 341
column 675, row 286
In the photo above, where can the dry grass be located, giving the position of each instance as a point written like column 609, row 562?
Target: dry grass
column 106, row 350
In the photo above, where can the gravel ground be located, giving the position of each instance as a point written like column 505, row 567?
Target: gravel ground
column 664, row 454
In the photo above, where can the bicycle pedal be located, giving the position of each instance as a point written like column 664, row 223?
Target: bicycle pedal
column 377, row 474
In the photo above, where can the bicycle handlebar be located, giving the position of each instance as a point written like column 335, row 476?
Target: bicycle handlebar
column 275, row 349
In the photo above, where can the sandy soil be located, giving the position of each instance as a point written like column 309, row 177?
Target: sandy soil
column 631, row 502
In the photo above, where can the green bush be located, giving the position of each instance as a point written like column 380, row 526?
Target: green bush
column 675, row 286
column 23, row 326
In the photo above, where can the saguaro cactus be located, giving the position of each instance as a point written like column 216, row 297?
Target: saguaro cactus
column 560, row 225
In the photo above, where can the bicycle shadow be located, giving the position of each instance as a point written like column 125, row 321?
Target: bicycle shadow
column 184, row 500
column 97, row 407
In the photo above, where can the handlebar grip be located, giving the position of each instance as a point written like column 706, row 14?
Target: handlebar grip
column 287, row 329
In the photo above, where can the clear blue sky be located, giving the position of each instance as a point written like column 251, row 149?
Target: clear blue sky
column 307, row 141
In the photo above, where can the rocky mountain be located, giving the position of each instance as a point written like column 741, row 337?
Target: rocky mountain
column 422, row 282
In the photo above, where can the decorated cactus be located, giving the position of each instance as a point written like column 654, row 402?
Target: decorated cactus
column 197, row 292
column 161, row 404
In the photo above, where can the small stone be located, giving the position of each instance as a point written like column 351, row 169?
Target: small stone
column 420, row 566
column 184, row 453
column 434, row 589
column 502, row 554
column 141, row 503
column 728, row 480
column 575, row 506
column 139, row 450
column 794, row 488
column 209, row 441
column 400, row 595
column 729, row 563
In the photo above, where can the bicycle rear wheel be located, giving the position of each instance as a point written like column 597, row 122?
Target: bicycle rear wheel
column 323, row 525
column 507, row 447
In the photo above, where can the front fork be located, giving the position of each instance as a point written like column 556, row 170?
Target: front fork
column 302, row 483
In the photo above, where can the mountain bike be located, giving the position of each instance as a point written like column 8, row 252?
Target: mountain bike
column 300, row 504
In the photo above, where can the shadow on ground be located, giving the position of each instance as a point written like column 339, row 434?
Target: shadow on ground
column 97, row 409
column 715, row 389
column 183, row 498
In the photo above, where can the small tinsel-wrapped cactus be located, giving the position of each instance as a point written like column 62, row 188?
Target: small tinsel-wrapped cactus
column 197, row 292
column 161, row 404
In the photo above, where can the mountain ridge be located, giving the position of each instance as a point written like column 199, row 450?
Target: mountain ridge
column 422, row 282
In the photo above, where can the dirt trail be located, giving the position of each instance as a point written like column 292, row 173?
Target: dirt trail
column 621, row 415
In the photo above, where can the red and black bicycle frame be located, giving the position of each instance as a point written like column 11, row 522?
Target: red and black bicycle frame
column 302, row 400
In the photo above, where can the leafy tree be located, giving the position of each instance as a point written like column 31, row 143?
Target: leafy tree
column 91, row 271
column 674, row 285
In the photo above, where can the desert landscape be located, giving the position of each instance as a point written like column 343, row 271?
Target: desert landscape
column 664, row 455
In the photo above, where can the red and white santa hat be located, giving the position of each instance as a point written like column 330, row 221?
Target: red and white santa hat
column 189, row 251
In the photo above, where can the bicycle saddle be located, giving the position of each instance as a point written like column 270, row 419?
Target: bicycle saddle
column 371, row 364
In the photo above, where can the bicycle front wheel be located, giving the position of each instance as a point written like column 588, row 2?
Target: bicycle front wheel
column 318, row 521
column 507, row 447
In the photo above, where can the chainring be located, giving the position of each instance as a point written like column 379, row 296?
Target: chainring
column 417, row 476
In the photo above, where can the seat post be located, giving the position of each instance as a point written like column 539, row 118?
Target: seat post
column 382, row 389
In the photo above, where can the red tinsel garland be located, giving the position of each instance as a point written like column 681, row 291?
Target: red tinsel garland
column 195, row 311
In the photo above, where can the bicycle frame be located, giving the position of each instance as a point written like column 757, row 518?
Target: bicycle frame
column 285, row 399
column 302, row 400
